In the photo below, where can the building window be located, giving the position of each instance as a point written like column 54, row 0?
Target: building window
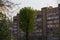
column 51, row 29
column 40, row 30
column 56, row 21
column 49, row 26
column 15, row 26
column 49, row 18
column 57, row 25
column 35, row 16
column 38, row 19
column 56, row 13
column 15, row 32
column 49, row 15
column 15, row 29
column 38, row 16
column 55, row 17
column 50, row 22
column 52, row 14
column 15, row 23
column 15, row 20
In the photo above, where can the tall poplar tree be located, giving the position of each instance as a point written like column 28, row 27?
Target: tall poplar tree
column 26, row 20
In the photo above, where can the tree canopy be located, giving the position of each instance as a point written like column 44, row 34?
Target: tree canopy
column 4, row 30
column 26, row 19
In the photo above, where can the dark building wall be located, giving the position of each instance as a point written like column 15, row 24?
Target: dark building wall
column 50, row 22
column 59, row 18
column 37, row 32
column 44, row 10
column 15, row 27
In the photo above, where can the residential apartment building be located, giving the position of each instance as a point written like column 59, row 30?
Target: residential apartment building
column 15, row 27
column 47, row 24
column 17, row 32
column 37, row 32
column 50, row 23
column 47, row 21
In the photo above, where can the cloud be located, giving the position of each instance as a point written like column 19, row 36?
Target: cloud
column 36, row 4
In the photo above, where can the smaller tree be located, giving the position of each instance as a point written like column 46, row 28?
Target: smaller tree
column 4, row 28
column 26, row 20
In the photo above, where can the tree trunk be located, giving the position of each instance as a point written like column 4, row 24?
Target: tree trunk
column 27, row 38
column 30, row 35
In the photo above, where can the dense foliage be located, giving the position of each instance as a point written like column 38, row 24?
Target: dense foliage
column 26, row 19
column 4, row 30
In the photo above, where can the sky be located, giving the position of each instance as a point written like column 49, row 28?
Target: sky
column 35, row 4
